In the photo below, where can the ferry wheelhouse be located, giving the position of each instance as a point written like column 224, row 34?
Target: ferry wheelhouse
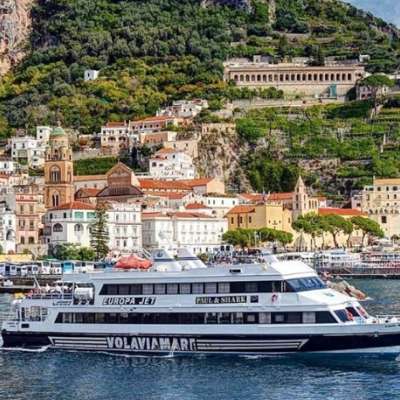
column 181, row 307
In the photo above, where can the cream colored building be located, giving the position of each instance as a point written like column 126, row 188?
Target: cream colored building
column 381, row 201
column 322, row 81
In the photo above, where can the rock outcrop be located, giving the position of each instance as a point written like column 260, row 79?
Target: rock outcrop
column 15, row 24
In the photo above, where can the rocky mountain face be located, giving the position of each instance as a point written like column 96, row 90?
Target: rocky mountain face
column 15, row 24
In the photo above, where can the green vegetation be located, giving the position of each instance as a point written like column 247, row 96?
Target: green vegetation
column 252, row 237
column 147, row 61
column 363, row 146
column 99, row 235
column 94, row 166
column 368, row 227
column 316, row 225
column 73, row 252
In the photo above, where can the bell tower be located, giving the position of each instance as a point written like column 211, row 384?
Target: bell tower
column 300, row 199
column 58, row 170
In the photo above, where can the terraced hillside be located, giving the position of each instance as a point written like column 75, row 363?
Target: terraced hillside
column 152, row 51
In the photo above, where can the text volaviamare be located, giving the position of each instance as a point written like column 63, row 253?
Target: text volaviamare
column 151, row 343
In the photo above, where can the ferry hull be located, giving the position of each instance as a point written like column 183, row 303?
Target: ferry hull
column 207, row 344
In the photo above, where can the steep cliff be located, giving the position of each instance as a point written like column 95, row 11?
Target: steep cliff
column 15, row 24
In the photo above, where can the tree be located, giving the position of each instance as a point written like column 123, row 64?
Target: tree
column 336, row 224
column 368, row 227
column 99, row 232
column 310, row 224
column 240, row 237
column 376, row 82
column 70, row 251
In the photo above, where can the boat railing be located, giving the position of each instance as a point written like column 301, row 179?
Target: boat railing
column 49, row 296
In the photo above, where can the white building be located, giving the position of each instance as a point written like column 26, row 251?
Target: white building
column 91, row 74
column 7, row 166
column 219, row 204
column 198, row 232
column 125, row 227
column 8, row 227
column 43, row 133
column 28, row 150
column 69, row 223
column 184, row 108
column 171, row 164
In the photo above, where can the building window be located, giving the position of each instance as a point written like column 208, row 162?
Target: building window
column 55, row 174
column 384, row 219
column 57, row 228
column 55, row 199
column 78, row 228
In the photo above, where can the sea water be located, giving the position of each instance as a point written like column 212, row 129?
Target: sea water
column 59, row 375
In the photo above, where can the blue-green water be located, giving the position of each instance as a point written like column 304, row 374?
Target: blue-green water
column 72, row 375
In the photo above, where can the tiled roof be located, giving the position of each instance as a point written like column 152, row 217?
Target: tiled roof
column 116, row 124
column 118, row 191
column 195, row 206
column 161, row 184
column 340, row 211
column 166, row 150
column 242, row 209
column 88, row 192
column 178, row 214
column 74, row 205
column 197, row 182
column 389, row 181
column 259, row 197
column 170, row 195
column 161, row 118
column 81, row 178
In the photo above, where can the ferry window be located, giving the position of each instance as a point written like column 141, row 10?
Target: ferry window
column 109, row 289
column 223, row 287
column 265, row 287
column 304, row 284
column 324, row 317
column 148, row 288
column 211, row 318
column 172, row 288
column 264, row 318
column 294, row 318
column 135, row 289
column 159, row 288
column 78, row 318
column 225, row 318
column 278, row 318
column 123, row 289
column 210, row 288
column 250, row 318
column 197, row 288
column 237, row 318
column 99, row 319
column 342, row 314
column 88, row 318
column 111, row 318
column 184, row 288
column 353, row 312
column 123, row 318
column 198, row 318
column 250, row 287
column 237, row 287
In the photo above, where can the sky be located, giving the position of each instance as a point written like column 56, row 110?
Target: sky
column 388, row 10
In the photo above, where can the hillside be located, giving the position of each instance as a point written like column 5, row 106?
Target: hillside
column 152, row 51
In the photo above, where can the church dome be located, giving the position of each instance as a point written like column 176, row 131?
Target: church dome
column 58, row 131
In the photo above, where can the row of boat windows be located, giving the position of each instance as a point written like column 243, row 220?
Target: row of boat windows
column 320, row 317
column 291, row 285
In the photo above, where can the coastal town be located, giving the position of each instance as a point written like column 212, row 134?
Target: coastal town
column 199, row 199
column 167, row 202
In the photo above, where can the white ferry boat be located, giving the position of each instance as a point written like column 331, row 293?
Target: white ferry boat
column 181, row 307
